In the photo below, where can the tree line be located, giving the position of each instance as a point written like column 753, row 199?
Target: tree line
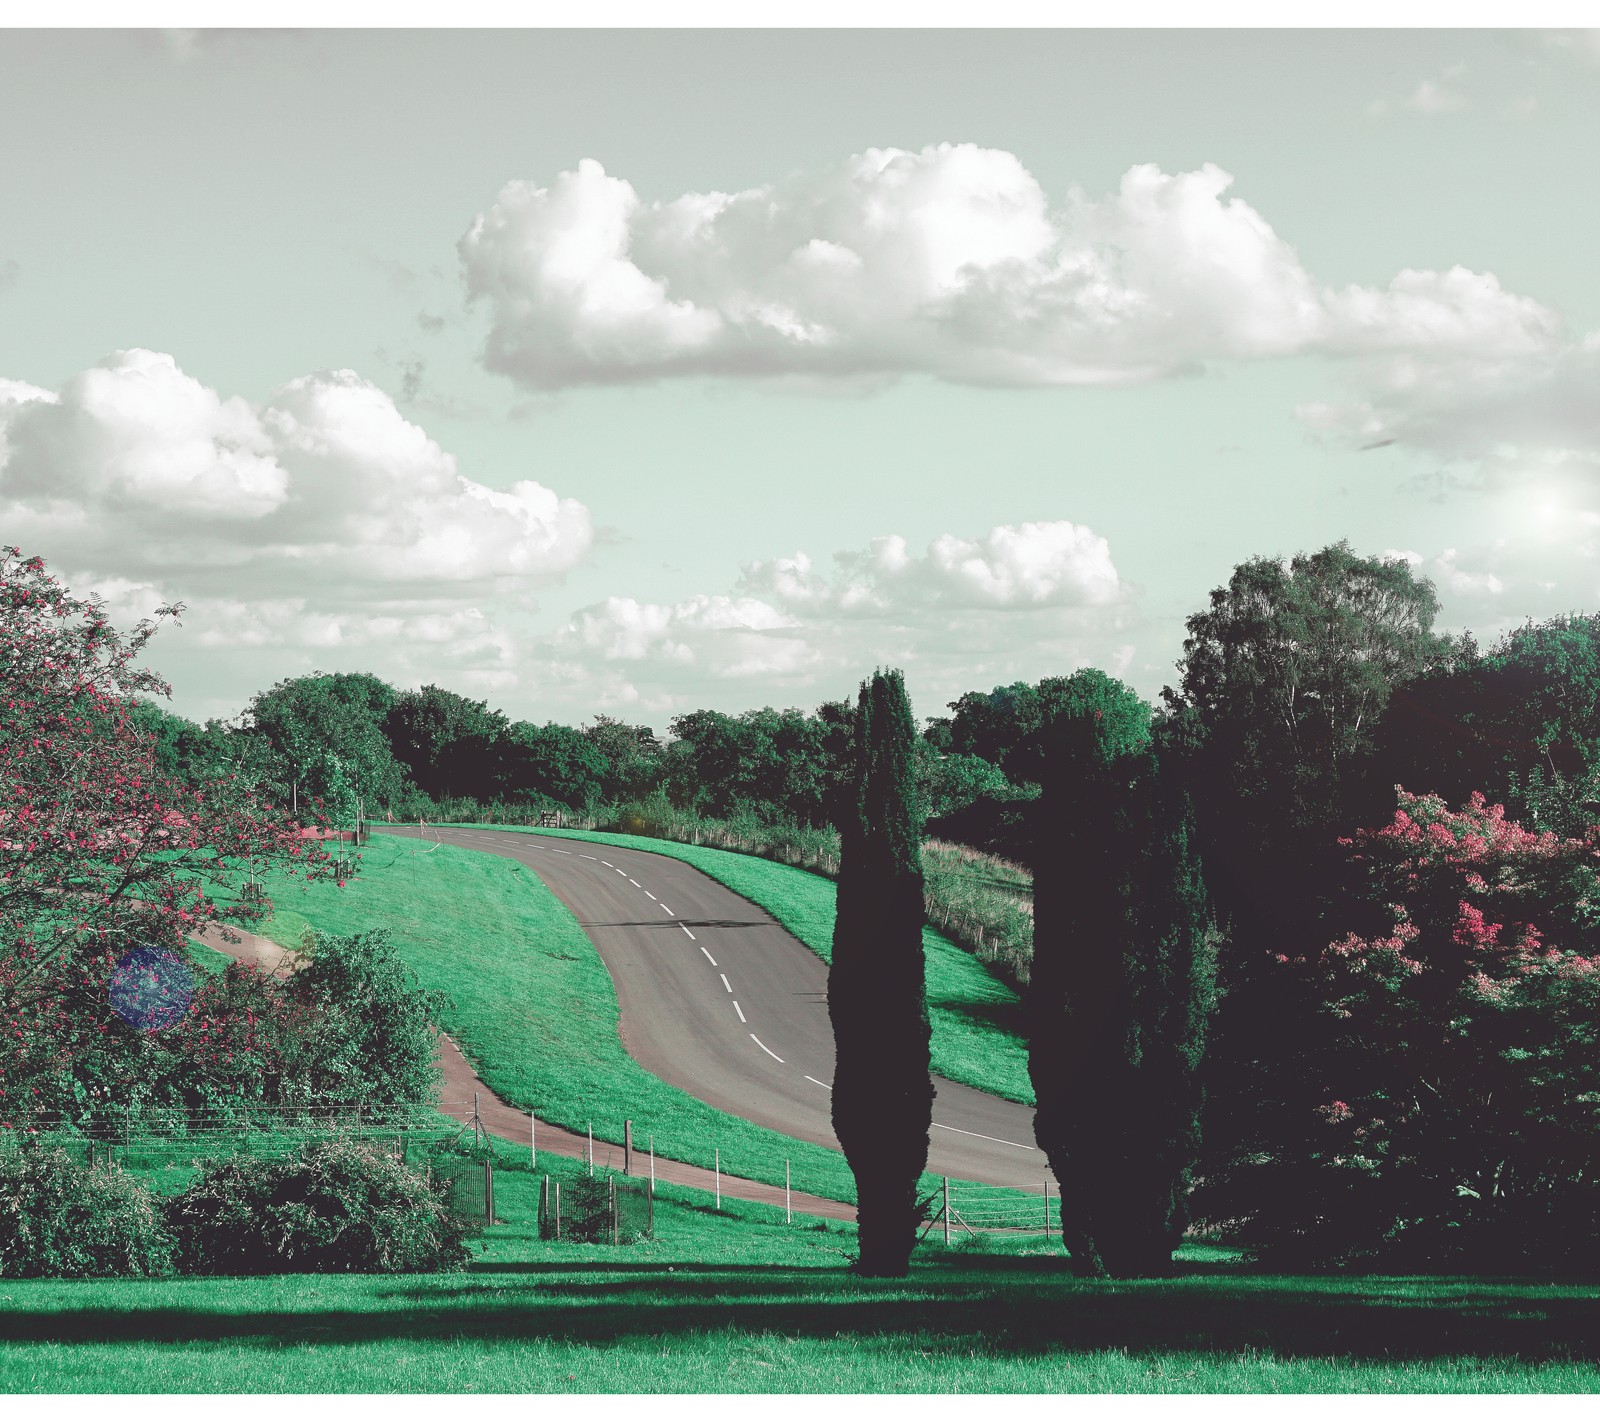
column 1317, row 948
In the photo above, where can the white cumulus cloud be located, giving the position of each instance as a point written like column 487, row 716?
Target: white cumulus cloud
column 950, row 261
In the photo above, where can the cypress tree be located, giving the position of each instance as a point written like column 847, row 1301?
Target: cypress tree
column 1123, row 983
column 882, row 1090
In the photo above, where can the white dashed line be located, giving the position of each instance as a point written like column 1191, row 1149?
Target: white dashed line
column 707, row 952
column 739, row 1010
column 567, row 852
column 586, row 856
column 636, row 884
column 981, row 1137
column 649, row 895
column 765, row 1048
column 608, row 864
column 664, row 908
column 824, row 1085
column 725, row 981
column 685, row 928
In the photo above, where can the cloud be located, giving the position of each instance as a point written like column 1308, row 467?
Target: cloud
column 1435, row 97
column 949, row 262
column 316, row 519
column 1026, row 600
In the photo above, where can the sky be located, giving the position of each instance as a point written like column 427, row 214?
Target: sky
column 633, row 372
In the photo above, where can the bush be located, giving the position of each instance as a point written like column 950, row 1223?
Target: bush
column 335, row 1206
column 61, row 1220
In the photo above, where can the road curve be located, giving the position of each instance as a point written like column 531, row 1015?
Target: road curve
column 723, row 1002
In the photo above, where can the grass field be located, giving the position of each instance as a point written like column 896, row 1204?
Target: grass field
column 532, row 1005
column 739, row 1302
column 976, row 1018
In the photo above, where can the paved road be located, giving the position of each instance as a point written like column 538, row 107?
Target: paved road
column 720, row 1000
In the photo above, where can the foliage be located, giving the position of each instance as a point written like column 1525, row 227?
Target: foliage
column 877, row 998
column 1122, row 989
column 99, row 851
column 376, row 1026
column 335, row 1206
column 447, row 743
column 1007, row 727
column 1454, row 1113
column 327, row 739
column 60, row 1219
column 553, row 762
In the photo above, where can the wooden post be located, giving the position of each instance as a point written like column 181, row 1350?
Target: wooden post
column 627, row 1147
column 558, row 1209
column 533, row 1139
column 946, row 1211
column 788, row 1212
column 717, row 1166
column 652, row 1165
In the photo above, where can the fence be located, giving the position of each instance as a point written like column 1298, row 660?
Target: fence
column 975, row 1209
column 597, row 1210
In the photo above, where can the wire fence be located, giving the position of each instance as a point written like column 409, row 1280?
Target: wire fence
column 960, row 1209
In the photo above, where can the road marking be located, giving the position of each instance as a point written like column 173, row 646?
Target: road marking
column 981, row 1136
column 567, row 852
column 725, row 981
column 739, row 1010
column 608, row 864
column 649, row 895
column 707, row 952
column 824, row 1085
column 685, row 928
column 586, row 856
column 664, row 908
column 636, row 884
column 765, row 1048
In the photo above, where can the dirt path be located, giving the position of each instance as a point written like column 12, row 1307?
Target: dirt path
column 462, row 1085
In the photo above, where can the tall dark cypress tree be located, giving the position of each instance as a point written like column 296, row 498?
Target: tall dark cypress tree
column 882, row 1091
column 1123, row 982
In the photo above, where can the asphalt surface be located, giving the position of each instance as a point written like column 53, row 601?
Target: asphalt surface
column 720, row 1000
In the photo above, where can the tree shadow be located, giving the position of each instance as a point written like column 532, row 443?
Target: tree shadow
column 1005, row 1308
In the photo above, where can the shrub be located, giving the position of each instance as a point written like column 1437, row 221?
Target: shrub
column 335, row 1206
column 60, row 1220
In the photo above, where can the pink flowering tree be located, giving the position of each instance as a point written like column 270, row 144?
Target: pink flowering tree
column 1457, row 1093
column 99, row 853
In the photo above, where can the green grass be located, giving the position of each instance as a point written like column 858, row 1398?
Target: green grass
column 532, row 1005
column 739, row 1302
column 976, row 1018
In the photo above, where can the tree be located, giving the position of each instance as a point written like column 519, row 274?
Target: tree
column 1123, row 983
column 632, row 755
column 99, row 851
column 1454, row 1113
column 774, row 765
column 326, row 734
column 882, row 1091
column 449, row 744
column 554, row 761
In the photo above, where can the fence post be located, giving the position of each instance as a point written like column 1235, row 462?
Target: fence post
column 488, row 1192
column 477, row 1122
column 652, row 1166
column 788, row 1212
column 716, row 1165
column 627, row 1147
column 591, row 1148
column 946, row 1211
column 558, row 1209
column 533, row 1139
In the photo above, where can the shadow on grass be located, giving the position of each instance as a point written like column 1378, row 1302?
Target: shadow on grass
column 1006, row 1308
column 1006, row 1016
